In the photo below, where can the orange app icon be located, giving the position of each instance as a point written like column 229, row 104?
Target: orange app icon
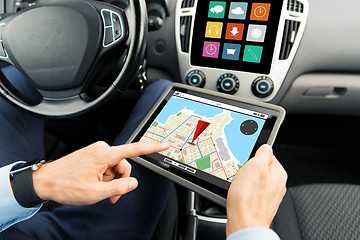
column 260, row 11
column 234, row 31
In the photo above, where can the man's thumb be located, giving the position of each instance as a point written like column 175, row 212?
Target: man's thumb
column 118, row 187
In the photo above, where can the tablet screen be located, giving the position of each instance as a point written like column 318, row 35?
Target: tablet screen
column 207, row 135
column 210, row 138
column 235, row 35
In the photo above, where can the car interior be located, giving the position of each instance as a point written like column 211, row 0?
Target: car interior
column 302, row 55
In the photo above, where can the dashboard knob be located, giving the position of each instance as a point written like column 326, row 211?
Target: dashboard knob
column 228, row 83
column 262, row 87
column 196, row 78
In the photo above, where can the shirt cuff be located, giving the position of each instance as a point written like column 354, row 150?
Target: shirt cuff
column 11, row 211
column 254, row 233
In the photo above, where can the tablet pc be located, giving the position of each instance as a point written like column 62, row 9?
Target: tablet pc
column 211, row 135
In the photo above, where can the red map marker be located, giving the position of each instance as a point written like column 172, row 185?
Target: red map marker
column 201, row 126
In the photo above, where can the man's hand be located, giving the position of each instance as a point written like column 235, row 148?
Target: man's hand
column 256, row 192
column 91, row 174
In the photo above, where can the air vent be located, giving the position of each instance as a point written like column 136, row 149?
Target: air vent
column 185, row 26
column 295, row 6
column 290, row 31
column 187, row 3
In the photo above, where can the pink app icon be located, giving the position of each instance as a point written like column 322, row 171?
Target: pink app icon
column 211, row 49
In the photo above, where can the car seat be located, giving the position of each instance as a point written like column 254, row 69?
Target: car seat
column 319, row 211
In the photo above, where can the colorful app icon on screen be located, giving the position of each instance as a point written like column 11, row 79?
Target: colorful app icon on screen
column 213, row 29
column 211, row 49
column 234, row 31
column 252, row 54
column 231, row 51
column 238, row 10
column 260, row 11
column 216, row 9
column 256, row 33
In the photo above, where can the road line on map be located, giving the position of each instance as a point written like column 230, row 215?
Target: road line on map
column 188, row 138
column 155, row 134
column 175, row 147
column 199, row 149
column 197, row 144
column 183, row 157
column 202, row 157
column 219, row 159
column 177, row 127
column 194, row 145
column 215, row 170
column 151, row 138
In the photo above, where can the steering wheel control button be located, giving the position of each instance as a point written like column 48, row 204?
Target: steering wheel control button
column 113, row 27
column 107, row 18
column 228, row 83
column 108, row 36
column 117, row 26
column 262, row 87
column 196, row 78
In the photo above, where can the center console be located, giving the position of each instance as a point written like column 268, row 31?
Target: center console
column 244, row 48
column 241, row 48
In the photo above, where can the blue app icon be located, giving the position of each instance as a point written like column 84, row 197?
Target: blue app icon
column 231, row 51
column 238, row 10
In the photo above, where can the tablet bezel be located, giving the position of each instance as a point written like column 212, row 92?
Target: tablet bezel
column 215, row 189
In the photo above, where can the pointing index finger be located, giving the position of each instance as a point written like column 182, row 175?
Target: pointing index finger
column 136, row 149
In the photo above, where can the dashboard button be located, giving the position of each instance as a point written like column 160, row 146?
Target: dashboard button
column 262, row 87
column 196, row 78
column 228, row 83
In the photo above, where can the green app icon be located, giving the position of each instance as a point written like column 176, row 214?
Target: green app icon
column 252, row 54
column 216, row 9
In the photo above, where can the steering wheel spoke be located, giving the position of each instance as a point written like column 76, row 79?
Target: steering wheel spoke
column 114, row 27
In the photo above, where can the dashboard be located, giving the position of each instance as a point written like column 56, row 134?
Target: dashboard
column 309, row 61
column 241, row 50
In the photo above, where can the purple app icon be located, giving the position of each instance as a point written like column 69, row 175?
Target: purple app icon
column 211, row 49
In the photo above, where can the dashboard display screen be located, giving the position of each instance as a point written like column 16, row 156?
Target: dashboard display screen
column 235, row 35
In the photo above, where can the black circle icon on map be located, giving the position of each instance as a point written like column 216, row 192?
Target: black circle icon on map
column 249, row 127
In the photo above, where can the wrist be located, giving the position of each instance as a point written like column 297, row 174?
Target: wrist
column 22, row 184
column 41, row 187
column 234, row 225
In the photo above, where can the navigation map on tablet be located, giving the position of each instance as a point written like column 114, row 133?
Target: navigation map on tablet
column 207, row 135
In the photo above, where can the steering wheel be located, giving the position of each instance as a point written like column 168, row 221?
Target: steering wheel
column 68, row 48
